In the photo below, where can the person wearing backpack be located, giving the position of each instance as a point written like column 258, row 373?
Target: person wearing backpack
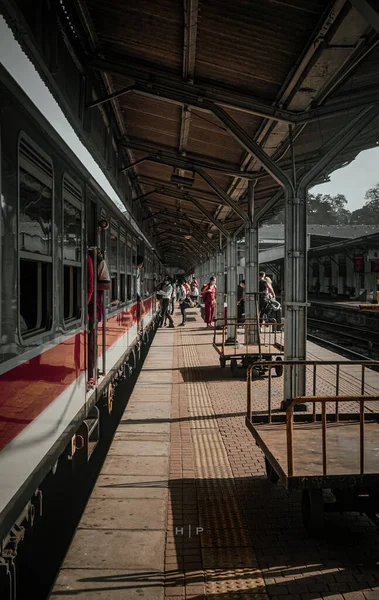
column 184, row 303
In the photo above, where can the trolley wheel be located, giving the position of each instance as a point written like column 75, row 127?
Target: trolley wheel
column 279, row 368
column 234, row 366
column 272, row 475
column 313, row 510
column 110, row 398
column 222, row 362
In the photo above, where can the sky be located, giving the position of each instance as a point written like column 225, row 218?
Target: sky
column 354, row 180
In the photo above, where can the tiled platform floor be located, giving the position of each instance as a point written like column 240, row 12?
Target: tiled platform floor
column 183, row 508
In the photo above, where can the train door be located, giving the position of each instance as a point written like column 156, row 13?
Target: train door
column 92, row 244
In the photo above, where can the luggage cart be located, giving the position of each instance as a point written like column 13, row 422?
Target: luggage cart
column 329, row 455
column 250, row 342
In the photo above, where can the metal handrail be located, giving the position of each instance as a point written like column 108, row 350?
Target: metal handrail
column 269, row 365
column 221, row 328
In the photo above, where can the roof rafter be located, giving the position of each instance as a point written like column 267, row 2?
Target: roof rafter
column 155, row 82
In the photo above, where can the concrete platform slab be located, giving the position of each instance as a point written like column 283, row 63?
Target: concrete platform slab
column 159, row 410
column 135, row 465
column 124, row 513
column 149, row 427
column 102, row 584
column 111, row 549
column 130, row 486
column 138, row 448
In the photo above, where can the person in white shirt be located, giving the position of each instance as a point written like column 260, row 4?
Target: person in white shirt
column 165, row 293
column 184, row 302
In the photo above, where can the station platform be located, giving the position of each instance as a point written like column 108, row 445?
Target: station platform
column 183, row 509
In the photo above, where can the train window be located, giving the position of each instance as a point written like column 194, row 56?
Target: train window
column 72, row 249
column 35, row 239
column 36, row 200
column 35, row 296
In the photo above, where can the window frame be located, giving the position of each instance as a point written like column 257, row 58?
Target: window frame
column 73, row 322
column 24, row 338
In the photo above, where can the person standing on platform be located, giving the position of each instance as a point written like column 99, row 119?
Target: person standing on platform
column 183, row 302
column 264, row 291
column 208, row 292
column 194, row 291
column 165, row 293
column 241, row 301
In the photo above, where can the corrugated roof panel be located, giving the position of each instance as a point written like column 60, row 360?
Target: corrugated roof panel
column 250, row 46
column 144, row 29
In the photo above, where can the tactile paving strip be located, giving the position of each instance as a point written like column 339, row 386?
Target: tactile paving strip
column 229, row 562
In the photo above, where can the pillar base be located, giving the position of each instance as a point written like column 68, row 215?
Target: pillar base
column 230, row 341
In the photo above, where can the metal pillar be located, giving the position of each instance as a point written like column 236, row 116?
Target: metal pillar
column 231, row 269
column 251, row 257
column 220, row 274
column 295, row 292
column 295, row 259
column 212, row 265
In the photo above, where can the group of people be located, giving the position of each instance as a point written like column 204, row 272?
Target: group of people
column 187, row 294
column 266, row 296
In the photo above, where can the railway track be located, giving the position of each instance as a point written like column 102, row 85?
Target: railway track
column 360, row 335
column 339, row 337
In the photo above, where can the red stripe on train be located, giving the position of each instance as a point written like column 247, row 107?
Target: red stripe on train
column 30, row 387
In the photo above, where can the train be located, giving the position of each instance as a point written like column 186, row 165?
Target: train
column 54, row 216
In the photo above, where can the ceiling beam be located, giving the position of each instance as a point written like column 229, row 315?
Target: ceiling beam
column 368, row 10
column 155, row 82
column 171, row 190
column 173, row 213
column 191, row 10
column 109, row 97
column 188, row 163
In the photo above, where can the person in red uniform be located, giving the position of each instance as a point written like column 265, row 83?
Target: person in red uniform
column 208, row 292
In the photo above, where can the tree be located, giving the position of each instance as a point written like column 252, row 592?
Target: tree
column 369, row 213
column 327, row 210
column 323, row 210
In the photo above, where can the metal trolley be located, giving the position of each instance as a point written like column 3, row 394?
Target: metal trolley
column 251, row 343
column 329, row 453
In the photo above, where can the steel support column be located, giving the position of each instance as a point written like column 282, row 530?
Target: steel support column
column 251, row 257
column 231, row 269
column 295, row 258
column 295, row 292
column 220, row 274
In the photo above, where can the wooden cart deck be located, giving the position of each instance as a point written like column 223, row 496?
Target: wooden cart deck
column 343, row 451
column 250, row 349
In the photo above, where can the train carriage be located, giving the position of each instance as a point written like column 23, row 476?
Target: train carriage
column 52, row 214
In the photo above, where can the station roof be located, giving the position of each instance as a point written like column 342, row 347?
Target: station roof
column 204, row 83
